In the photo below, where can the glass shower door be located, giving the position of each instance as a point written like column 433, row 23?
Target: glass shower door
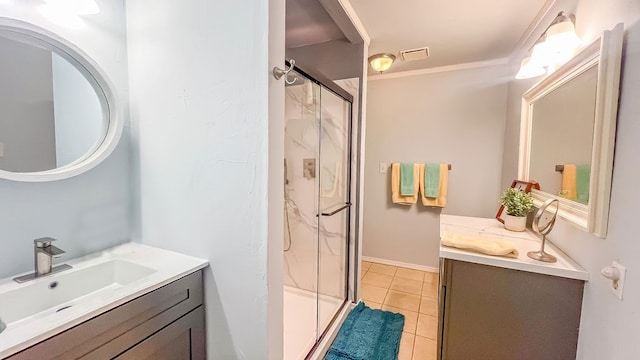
column 334, row 205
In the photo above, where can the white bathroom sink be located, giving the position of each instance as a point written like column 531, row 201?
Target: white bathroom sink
column 38, row 309
column 62, row 290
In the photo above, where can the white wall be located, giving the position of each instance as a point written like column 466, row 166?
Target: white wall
column 26, row 100
column 452, row 117
column 78, row 114
column 200, row 112
column 88, row 212
column 610, row 327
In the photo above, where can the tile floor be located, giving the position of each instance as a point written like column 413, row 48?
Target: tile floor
column 412, row 293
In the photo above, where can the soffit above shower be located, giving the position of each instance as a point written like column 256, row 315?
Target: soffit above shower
column 456, row 32
column 308, row 22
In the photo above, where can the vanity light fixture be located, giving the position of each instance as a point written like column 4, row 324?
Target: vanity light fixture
column 555, row 46
column 381, row 62
column 76, row 7
column 67, row 12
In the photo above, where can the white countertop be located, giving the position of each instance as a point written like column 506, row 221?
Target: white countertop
column 168, row 266
column 523, row 241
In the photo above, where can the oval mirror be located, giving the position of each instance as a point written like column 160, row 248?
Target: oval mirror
column 57, row 110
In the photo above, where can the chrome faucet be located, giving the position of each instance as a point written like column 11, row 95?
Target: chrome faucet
column 43, row 254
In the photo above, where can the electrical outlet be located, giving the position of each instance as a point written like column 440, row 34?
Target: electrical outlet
column 616, row 274
column 383, row 168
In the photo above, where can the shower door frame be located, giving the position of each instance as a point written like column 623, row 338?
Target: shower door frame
column 328, row 84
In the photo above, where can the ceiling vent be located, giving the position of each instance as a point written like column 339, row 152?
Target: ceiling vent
column 414, row 54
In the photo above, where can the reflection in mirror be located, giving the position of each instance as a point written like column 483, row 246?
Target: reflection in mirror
column 50, row 114
column 561, row 137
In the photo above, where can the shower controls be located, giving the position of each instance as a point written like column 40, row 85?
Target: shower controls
column 309, row 168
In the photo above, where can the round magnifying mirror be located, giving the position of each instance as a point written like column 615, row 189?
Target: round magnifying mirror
column 57, row 110
column 543, row 223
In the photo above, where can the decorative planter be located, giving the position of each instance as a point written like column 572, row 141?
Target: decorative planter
column 515, row 223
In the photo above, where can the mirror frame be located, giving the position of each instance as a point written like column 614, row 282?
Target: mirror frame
column 111, row 111
column 605, row 53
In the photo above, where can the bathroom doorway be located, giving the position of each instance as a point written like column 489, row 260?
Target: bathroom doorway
column 317, row 188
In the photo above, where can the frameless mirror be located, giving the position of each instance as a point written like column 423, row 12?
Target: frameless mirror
column 568, row 133
column 57, row 110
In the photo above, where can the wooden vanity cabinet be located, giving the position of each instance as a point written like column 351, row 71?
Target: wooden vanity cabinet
column 167, row 323
column 494, row 313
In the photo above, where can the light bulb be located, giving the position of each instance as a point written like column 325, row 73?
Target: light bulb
column 529, row 69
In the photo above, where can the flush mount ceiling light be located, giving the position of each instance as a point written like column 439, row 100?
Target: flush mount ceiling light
column 381, row 62
column 555, row 46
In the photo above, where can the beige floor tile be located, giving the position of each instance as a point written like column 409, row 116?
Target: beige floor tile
column 429, row 306
column 374, row 305
column 410, row 274
column 382, row 269
column 373, row 293
column 406, row 285
column 430, row 290
column 431, row 277
column 406, row 346
column 362, row 274
column 402, row 300
column 410, row 318
column 427, row 326
column 366, row 265
column 424, row 349
column 378, row 280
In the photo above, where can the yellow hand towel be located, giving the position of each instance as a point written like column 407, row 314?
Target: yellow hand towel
column 441, row 200
column 489, row 246
column 569, row 182
column 395, row 185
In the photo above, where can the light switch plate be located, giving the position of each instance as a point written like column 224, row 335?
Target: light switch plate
column 383, row 168
column 1, row 149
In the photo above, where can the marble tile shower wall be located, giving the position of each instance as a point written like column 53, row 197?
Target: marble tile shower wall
column 304, row 197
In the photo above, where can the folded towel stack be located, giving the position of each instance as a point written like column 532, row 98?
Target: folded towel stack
column 489, row 246
column 408, row 180
column 396, row 193
column 434, row 176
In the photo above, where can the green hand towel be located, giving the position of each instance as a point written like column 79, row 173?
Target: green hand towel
column 407, row 187
column 431, row 180
column 583, row 176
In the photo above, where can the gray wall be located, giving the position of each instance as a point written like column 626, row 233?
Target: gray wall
column 452, row 117
column 201, row 142
column 26, row 103
column 610, row 327
column 88, row 212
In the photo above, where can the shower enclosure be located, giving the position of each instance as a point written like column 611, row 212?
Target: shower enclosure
column 317, row 208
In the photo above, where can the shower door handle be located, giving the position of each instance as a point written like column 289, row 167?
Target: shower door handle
column 345, row 206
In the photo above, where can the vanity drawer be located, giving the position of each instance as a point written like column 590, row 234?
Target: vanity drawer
column 113, row 332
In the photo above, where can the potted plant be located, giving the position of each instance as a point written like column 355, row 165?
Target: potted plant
column 517, row 204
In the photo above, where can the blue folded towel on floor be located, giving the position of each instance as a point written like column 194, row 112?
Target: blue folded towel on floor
column 368, row 334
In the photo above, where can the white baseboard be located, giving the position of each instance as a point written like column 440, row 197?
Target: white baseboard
column 400, row 264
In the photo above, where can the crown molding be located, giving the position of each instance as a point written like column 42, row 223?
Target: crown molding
column 439, row 69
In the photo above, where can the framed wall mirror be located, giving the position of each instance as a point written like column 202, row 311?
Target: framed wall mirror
column 567, row 133
column 58, row 111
